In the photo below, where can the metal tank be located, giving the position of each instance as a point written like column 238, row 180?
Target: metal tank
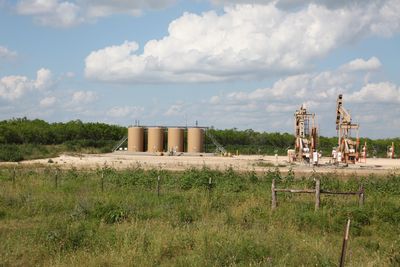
column 155, row 139
column 195, row 140
column 175, row 139
column 135, row 139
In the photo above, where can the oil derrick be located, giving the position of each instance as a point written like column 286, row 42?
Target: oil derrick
column 348, row 149
column 306, row 137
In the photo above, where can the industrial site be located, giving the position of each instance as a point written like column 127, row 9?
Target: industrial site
column 199, row 133
column 178, row 148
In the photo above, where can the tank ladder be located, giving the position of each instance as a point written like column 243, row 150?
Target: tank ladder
column 219, row 148
column 120, row 143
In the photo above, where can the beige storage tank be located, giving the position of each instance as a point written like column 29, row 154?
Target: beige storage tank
column 155, row 140
column 135, row 139
column 175, row 139
column 195, row 140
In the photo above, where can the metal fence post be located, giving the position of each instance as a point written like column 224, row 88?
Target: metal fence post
column 273, row 195
column 158, row 186
column 317, row 194
column 361, row 196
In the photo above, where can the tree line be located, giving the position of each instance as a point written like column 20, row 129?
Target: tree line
column 22, row 137
column 24, row 131
column 252, row 142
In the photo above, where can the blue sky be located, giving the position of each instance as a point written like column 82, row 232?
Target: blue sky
column 243, row 64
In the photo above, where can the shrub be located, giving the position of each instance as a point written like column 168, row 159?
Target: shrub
column 10, row 153
column 64, row 236
column 193, row 178
column 187, row 216
column 109, row 213
column 2, row 214
column 390, row 213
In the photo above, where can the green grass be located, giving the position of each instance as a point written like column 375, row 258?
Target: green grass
column 232, row 225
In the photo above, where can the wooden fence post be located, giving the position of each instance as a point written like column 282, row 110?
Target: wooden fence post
column 102, row 180
column 317, row 194
column 361, row 196
column 158, row 186
column 273, row 194
column 344, row 245
column 14, row 176
column 56, row 179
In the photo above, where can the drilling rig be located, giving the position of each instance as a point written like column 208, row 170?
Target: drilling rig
column 348, row 149
column 306, row 136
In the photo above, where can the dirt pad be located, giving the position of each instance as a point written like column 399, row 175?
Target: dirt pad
column 257, row 163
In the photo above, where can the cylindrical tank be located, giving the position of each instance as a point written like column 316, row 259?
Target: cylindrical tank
column 195, row 140
column 155, row 141
column 175, row 139
column 135, row 139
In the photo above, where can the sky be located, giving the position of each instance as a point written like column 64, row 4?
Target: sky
column 227, row 64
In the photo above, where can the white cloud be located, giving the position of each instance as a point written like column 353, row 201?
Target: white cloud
column 83, row 97
column 69, row 74
column 317, row 86
column 35, row 7
column 174, row 110
column 125, row 111
column 14, row 87
column 288, row 4
column 48, row 102
column 44, row 79
column 215, row 99
column 103, row 8
column 383, row 92
column 360, row 64
column 246, row 41
column 7, row 53
column 272, row 108
column 57, row 13
column 51, row 12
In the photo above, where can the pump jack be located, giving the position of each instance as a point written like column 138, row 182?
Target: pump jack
column 306, row 136
column 348, row 149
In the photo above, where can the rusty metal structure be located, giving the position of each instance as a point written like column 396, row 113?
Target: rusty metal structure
column 347, row 150
column 306, row 136
column 363, row 156
column 390, row 151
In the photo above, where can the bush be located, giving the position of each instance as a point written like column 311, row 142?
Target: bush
column 109, row 213
column 10, row 153
column 193, row 178
column 187, row 216
column 359, row 218
column 64, row 236
column 2, row 214
column 390, row 213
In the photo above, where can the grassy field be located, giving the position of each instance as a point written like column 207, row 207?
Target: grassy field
column 81, row 218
